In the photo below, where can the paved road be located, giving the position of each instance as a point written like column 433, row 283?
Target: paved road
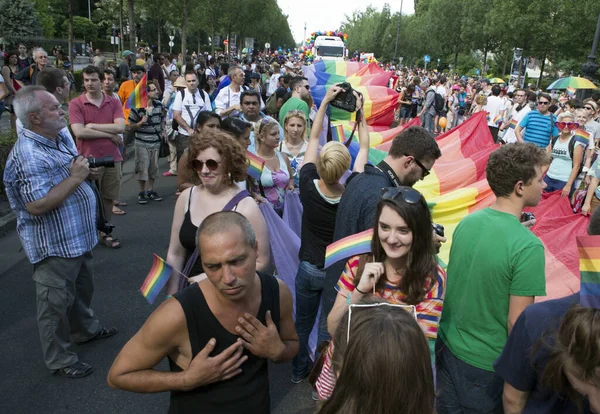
column 27, row 387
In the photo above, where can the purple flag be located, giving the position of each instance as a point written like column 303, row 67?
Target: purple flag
column 292, row 211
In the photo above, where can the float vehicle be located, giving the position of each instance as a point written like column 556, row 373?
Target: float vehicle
column 329, row 48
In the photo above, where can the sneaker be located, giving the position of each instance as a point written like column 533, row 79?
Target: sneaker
column 169, row 174
column 142, row 198
column 74, row 371
column 153, row 195
column 315, row 395
column 297, row 379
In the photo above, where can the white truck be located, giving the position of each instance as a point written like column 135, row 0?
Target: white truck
column 329, row 48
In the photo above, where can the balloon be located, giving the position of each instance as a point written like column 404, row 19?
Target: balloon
column 443, row 122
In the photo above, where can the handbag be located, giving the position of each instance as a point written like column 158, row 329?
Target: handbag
column 164, row 149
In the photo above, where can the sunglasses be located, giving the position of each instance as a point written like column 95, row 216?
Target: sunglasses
column 409, row 194
column 589, row 108
column 543, row 103
column 426, row 172
column 198, row 165
column 570, row 125
column 409, row 308
column 307, row 87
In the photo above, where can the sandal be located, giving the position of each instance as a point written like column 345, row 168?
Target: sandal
column 117, row 211
column 74, row 371
column 103, row 334
column 109, row 241
column 119, row 203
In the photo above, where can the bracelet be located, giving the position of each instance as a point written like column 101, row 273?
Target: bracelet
column 360, row 291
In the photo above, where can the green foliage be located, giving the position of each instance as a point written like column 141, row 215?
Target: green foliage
column 18, row 19
column 83, row 28
column 7, row 141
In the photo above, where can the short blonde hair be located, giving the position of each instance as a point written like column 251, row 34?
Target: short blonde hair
column 333, row 162
column 564, row 115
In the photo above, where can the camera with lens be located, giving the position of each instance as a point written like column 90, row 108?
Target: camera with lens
column 108, row 161
column 527, row 216
column 345, row 100
column 438, row 229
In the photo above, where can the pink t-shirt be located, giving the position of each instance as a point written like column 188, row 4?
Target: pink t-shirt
column 82, row 111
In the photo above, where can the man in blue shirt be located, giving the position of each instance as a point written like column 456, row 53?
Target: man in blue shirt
column 46, row 186
column 539, row 124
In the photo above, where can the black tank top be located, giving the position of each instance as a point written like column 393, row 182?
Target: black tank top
column 187, row 232
column 247, row 392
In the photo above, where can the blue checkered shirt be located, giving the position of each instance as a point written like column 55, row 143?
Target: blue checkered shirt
column 34, row 166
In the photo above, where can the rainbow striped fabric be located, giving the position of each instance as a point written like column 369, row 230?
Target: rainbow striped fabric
column 513, row 124
column 581, row 135
column 139, row 96
column 157, row 278
column 255, row 165
column 571, row 91
column 348, row 246
column 338, row 134
column 589, row 270
column 497, row 119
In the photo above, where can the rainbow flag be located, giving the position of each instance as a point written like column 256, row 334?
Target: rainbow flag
column 581, row 135
column 498, row 119
column 255, row 165
column 571, row 91
column 338, row 134
column 589, row 270
column 139, row 96
column 348, row 246
column 513, row 124
column 157, row 278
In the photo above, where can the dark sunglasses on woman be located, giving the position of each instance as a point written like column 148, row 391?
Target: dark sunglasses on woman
column 198, row 165
column 408, row 194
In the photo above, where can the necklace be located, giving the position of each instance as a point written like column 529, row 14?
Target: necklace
column 294, row 146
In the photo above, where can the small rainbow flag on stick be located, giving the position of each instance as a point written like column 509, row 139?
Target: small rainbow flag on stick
column 498, row 119
column 337, row 133
column 255, row 165
column 581, row 135
column 139, row 96
column 571, row 91
column 589, row 270
column 348, row 246
column 513, row 124
column 157, row 278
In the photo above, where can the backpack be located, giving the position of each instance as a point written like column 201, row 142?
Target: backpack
column 438, row 100
column 571, row 150
column 271, row 104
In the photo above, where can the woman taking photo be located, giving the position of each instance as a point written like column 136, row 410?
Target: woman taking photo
column 320, row 194
column 219, row 162
column 294, row 141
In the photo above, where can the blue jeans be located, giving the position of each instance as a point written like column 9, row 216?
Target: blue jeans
column 309, row 286
column 553, row 185
column 463, row 388
column 428, row 122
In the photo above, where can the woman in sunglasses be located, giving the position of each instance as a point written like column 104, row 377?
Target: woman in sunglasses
column 567, row 156
column 401, row 269
column 219, row 162
column 277, row 175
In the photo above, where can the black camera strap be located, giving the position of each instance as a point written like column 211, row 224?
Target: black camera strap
column 387, row 170
column 358, row 120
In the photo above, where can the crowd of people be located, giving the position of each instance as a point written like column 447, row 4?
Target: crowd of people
column 398, row 330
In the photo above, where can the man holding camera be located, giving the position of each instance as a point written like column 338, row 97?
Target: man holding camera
column 97, row 121
column 46, row 185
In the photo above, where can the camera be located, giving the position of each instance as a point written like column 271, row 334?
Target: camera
column 345, row 100
column 108, row 161
column 439, row 229
column 526, row 216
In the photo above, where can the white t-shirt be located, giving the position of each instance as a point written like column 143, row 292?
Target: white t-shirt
column 190, row 106
column 273, row 83
column 494, row 106
column 509, row 136
column 441, row 89
column 167, row 69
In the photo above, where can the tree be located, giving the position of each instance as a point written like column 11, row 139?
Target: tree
column 18, row 20
column 132, row 33
column 83, row 28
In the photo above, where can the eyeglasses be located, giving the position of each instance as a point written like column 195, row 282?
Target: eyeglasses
column 307, row 87
column 426, row 172
column 409, row 308
column 570, row 125
column 198, row 165
column 543, row 103
column 409, row 194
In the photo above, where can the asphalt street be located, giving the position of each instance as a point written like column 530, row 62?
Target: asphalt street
column 26, row 384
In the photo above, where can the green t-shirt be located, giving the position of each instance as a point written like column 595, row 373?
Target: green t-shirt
column 293, row 104
column 493, row 256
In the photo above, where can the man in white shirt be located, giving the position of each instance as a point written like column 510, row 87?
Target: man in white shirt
column 274, row 81
column 168, row 67
column 186, row 107
column 518, row 112
column 227, row 102
column 495, row 108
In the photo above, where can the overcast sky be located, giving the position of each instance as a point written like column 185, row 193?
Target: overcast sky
column 329, row 14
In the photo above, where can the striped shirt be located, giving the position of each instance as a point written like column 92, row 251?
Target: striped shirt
column 540, row 128
column 429, row 310
column 34, row 166
column 149, row 133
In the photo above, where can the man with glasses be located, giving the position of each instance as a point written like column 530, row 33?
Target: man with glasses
column 410, row 159
column 28, row 75
column 227, row 102
column 148, row 125
column 518, row 112
column 539, row 123
column 300, row 93
column 250, row 103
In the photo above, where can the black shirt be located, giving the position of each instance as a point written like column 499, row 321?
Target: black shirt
column 247, row 392
column 318, row 218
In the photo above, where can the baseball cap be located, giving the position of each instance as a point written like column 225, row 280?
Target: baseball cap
column 127, row 53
